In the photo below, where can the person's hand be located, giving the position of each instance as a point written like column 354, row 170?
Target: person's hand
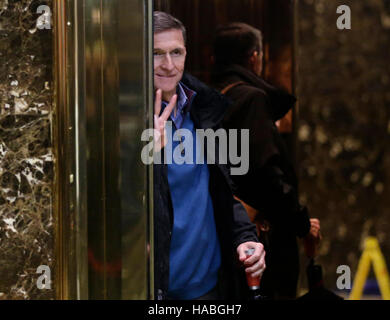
column 255, row 264
column 313, row 238
column 159, row 121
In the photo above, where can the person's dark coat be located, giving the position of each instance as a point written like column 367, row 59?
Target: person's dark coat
column 232, row 223
column 270, row 185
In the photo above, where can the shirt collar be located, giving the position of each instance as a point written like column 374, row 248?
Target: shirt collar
column 185, row 96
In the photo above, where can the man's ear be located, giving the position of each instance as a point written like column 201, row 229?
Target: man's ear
column 256, row 62
column 254, row 56
column 253, row 59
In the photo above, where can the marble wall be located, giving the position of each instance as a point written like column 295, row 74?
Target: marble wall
column 26, row 159
column 344, row 126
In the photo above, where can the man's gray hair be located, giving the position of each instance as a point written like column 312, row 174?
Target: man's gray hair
column 163, row 21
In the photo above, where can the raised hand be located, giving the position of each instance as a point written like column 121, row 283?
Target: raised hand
column 160, row 140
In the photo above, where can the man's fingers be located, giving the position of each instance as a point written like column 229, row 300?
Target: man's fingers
column 258, row 273
column 315, row 222
column 168, row 110
column 257, row 268
column 241, row 254
column 253, row 259
column 257, row 256
column 315, row 229
column 157, row 103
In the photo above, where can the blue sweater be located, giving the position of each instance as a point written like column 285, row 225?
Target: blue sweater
column 195, row 255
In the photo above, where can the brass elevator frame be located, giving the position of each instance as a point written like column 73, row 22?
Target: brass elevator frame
column 103, row 193
column 69, row 133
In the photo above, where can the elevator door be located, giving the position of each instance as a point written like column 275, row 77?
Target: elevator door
column 116, row 100
column 105, row 77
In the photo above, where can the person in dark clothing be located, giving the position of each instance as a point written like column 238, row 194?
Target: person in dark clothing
column 200, row 229
column 269, row 190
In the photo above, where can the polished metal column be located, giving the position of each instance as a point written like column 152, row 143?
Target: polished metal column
column 70, row 141
column 135, row 92
column 104, row 95
column 118, row 99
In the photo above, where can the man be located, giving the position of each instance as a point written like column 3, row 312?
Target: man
column 199, row 227
column 269, row 190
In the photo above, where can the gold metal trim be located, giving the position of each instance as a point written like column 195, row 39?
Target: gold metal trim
column 69, row 133
column 148, row 67
column 80, row 143
column 59, row 124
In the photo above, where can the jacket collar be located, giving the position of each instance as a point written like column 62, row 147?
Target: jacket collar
column 208, row 106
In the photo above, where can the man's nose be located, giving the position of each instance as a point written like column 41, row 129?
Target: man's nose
column 168, row 62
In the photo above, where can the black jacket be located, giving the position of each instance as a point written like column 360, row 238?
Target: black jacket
column 232, row 223
column 270, row 184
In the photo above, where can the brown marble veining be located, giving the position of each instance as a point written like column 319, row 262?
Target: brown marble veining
column 26, row 160
column 344, row 126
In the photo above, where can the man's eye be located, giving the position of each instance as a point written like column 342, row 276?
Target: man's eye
column 176, row 53
column 157, row 53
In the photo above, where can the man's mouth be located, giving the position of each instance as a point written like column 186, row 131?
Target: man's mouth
column 166, row 76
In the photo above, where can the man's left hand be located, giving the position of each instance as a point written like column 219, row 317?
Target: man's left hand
column 313, row 238
column 255, row 264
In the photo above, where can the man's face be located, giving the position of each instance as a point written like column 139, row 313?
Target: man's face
column 169, row 59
